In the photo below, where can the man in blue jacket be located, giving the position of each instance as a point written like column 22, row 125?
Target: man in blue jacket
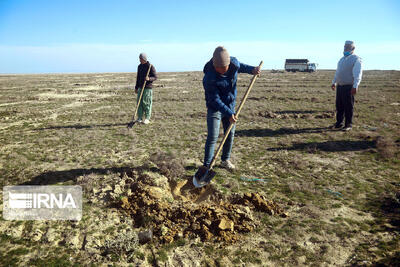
column 220, row 77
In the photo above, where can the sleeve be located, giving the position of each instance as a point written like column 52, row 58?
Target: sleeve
column 357, row 73
column 213, row 99
column 152, row 74
column 244, row 68
column 137, row 78
column 334, row 78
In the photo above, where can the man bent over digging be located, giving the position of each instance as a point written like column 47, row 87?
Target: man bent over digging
column 147, row 98
column 220, row 76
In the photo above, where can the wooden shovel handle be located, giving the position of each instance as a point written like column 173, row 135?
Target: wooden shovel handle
column 141, row 93
column 236, row 115
column 253, row 80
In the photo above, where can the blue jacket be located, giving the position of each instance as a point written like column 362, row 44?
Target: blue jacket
column 220, row 90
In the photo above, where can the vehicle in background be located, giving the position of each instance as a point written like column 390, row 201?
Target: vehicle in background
column 300, row 65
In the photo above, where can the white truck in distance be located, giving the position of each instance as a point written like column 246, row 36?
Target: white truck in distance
column 300, row 65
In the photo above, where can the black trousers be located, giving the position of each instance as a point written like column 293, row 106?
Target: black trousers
column 344, row 105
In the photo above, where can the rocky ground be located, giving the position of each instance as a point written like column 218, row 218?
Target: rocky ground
column 146, row 209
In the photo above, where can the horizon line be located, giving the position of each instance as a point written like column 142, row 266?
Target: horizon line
column 123, row 72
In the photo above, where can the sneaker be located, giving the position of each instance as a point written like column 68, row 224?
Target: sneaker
column 227, row 164
column 347, row 128
column 336, row 126
column 146, row 121
column 139, row 121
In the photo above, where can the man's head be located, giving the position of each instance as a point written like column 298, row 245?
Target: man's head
column 143, row 58
column 221, row 59
column 348, row 48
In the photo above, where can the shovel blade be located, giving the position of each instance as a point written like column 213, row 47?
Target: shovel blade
column 203, row 176
column 130, row 125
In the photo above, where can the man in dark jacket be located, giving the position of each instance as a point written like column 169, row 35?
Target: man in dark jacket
column 219, row 82
column 147, row 98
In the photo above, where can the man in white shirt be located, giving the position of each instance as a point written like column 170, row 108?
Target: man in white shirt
column 347, row 79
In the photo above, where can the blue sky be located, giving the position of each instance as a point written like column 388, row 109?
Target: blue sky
column 41, row 36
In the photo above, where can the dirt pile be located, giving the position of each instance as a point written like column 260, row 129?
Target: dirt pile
column 387, row 147
column 168, row 164
column 176, row 210
column 260, row 204
column 296, row 115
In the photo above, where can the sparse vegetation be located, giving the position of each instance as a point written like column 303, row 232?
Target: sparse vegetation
column 338, row 189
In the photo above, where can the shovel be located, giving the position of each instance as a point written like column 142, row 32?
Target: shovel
column 130, row 125
column 204, row 174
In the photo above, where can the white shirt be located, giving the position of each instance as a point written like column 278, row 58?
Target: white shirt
column 349, row 71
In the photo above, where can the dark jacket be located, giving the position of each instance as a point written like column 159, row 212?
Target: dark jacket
column 141, row 75
column 220, row 90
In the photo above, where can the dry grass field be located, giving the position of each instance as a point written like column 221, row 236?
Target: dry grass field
column 326, row 198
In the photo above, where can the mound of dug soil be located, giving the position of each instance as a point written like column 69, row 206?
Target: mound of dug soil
column 296, row 115
column 174, row 210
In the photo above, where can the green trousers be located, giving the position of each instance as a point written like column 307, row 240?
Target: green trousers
column 145, row 104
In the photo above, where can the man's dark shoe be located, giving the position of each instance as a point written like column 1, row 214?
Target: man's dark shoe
column 336, row 126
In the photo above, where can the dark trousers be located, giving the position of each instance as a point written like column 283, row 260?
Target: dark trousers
column 344, row 105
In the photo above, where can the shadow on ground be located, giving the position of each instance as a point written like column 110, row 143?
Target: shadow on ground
column 329, row 146
column 299, row 111
column 393, row 260
column 281, row 131
column 78, row 126
column 387, row 208
column 55, row 177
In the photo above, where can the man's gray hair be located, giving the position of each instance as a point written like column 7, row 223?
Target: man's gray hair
column 349, row 43
column 143, row 56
